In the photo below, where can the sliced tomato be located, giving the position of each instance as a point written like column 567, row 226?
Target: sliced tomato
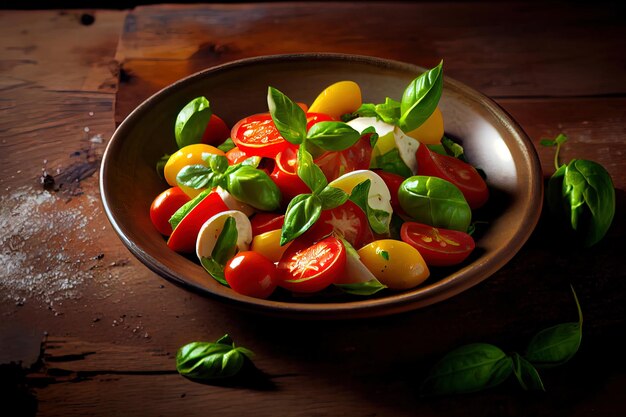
column 257, row 136
column 164, row 206
column 216, row 131
column 312, row 268
column 335, row 164
column 266, row 222
column 313, row 118
column 393, row 182
column 252, row 274
column 183, row 238
column 236, row 156
column 459, row 173
column 347, row 221
column 438, row 247
column 285, row 175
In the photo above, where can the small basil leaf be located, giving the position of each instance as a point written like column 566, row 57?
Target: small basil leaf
column 332, row 197
column 192, row 121
column 302, row 212
column 388, row 112
column 254, row 187
column 217, row 163
column 370, row 287
column 227, row 145
column 378, row 219
column 373, row 136
column 309, row 172
column 557, row 344
column 526, row 374
column 186, row 208
column 289, row 118
column 392, row 162
column 194, row 176
column 214, row 269
column 333, row 136
column 208, row 360
column 226, row 244
column 253, row 161
column 420, row 98
column 453, row 149
column 470, row 368
column 160, row 165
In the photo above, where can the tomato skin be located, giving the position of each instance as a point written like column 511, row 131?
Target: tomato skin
column 285, row 175
column 164, row 205
column 216, row 131
column 257, row 135
column 313, row 118
column 183, row 238
column 266, row 222
column 236, row 156
column 312, row 268
column 252, row 274
column 335, row 164
column 393, row 182
column 459, row 173
column 438, row 247
column 348, row 221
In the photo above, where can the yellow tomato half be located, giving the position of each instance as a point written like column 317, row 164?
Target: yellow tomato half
column 395, row 263
column 268, row 245
column 338, row 99
column 431, row 131
column 189, row 155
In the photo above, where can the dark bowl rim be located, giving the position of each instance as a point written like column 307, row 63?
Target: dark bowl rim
column 445, row 288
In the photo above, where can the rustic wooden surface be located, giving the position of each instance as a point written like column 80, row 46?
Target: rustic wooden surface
column 88, row 330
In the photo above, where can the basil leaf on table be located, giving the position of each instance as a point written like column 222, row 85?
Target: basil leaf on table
column 192, row 121
column 288, row 117
column 557, row 344
column 254, row 187
column 211, row 360
column 186, row 208
column 378, row 219
column 333, row 136
column 420, row 98
column 332, row 197
column 436, row 202
column 469, row 368
column 309, row 172
column 526, row 374
column 367, row 288
column 302, row 212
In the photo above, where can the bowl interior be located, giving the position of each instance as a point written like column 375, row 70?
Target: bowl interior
column 492, row 141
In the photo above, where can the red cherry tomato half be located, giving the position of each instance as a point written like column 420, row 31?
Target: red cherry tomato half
column 257, row 136
column 266, row 222
column 347, row 221
column 312, row 268
column 335, row 164
column 183, row 238
column 285, row 175
column 393, row 182
column 216, row 131
column 313, row 118
column 164, row 206
column 252, row 274
column 438, row 247
column 236, row 156
column 459, row 173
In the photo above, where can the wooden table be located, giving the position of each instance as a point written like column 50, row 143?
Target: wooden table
column 86, row 329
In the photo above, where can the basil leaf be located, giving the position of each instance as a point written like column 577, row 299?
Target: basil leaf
column 392, row 162
column 333, row 136
column 214, row 269
column 452, row 148
column 388, row 112
column 302, row 212
column 420, row 98
column 370, row 287
column 378, row 219
column 332, row 197
column 373, row 135
column 186, row 208
column 197, row 176
column 526, row 374
column 217, row 163
column 192, row 121
column 254, row 187
column 226, row 244
column 557, row 344
column 469, row 368
column 227, row 145
column 160, row 165
column 288, row 117
column 211, row 360
column 309, row 172
column 436, row 202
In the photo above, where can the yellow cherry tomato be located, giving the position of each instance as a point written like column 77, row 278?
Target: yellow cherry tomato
column 268, row 245
column 431, row 131
column 189, row 155
column 395, row 263
column 338, row 99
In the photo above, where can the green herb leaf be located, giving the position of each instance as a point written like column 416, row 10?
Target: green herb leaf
column 526, row 374
column 289, row 118
column 470, row 368
column 192, row 121
column 226, row 244
column 227, row 145
column 214, row 269
column 378, row 219
column 453, row 149
column 309, row 172
column 254, row 187
column 186, row 208
column 373, row 135
column 420, row 98
column 211, row 360
column 332, row 197
column 302, row 212
column 333, row 136
column 392, row 162
column 557, row 344
column 160, row 165
column 388, row 112
column 367, row 288
column 217, row 163
column 558, row 141
column 198, row 176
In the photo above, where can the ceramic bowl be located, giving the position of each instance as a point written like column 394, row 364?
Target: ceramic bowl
column 492, row 140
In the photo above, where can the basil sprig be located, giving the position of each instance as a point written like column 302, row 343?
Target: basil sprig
column 192, row 121
column 225, row 248
column 211, row 360
column 479, row 366
column 378, row 219
column 581, row 195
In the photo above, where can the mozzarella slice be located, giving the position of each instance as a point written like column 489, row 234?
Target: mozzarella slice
column 212, row 228
column 234, row 204
column 378, row 197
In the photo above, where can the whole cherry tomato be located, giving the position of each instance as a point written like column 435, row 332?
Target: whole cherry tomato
column 164, row 206
column 216, row 131
column 252, row 274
